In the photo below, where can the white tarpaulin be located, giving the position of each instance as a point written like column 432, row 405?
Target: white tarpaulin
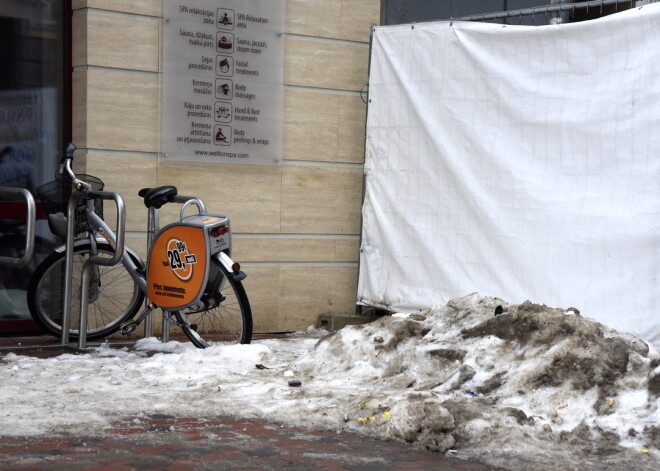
column 518, row 162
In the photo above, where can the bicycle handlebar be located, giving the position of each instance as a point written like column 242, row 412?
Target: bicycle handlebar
column 68, row 151
column 65, row 167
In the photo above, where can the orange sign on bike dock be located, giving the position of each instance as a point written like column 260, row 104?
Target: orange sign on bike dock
column 177, row 266
column 177, row 269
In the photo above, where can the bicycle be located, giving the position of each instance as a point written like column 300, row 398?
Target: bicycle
column 189, row 274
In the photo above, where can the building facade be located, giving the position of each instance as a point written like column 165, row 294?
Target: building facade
column 296, row 225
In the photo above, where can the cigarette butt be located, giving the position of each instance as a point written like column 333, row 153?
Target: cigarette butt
column 611, row 402
column 563, row 406
column 378, row 352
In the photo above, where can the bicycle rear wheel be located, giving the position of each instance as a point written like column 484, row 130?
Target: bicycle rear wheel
column 230, row 322
column 113, row 295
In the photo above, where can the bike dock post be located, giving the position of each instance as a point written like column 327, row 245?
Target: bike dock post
column 184, row 201
column 29, row 229
column 87, row 266
column 153, row 224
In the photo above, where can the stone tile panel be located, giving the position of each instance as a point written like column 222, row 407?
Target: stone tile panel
column 321, row 199
column 325, row 64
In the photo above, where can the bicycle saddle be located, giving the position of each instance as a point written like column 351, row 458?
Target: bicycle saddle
column 157, row 197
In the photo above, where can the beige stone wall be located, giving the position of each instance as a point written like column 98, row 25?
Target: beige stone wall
column 296, row 226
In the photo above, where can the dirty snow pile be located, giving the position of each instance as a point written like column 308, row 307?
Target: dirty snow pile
column 530, row 388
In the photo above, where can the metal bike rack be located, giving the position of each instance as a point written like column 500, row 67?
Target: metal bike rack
column 29, row 230
column 87, row 266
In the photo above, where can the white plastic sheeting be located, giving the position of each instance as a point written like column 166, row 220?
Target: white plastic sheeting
column 518, row 162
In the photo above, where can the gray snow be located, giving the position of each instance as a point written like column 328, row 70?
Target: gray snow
column 532, row 387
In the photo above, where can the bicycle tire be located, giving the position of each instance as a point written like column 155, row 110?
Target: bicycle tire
column 114, row 299
column 228, row 323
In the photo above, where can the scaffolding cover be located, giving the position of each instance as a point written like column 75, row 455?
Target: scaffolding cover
column 519, row 162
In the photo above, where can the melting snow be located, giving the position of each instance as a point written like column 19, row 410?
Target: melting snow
column 532, row 387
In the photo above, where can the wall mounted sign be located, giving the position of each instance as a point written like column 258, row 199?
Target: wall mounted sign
column 222, row 85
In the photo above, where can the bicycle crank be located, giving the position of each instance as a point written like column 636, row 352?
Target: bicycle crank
column 129, row 326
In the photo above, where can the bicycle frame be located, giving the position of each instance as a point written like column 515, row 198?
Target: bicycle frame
column 97, row 224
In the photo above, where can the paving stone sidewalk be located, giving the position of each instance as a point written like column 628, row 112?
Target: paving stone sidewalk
column 160, row 442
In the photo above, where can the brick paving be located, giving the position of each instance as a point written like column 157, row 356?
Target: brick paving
column 163, row 442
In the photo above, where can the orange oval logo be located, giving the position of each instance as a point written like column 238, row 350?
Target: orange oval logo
column 181, row 261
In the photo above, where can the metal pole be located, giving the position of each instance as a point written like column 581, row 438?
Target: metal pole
column 84, row 301
column 68, row 267
column 166, row 327
column 153, row 224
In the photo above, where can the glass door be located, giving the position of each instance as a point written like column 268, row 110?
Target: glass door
column 32, row 129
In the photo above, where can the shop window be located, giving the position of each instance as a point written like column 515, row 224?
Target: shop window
column 32, row 132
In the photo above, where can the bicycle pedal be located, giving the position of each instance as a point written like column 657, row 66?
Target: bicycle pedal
column 128, row 327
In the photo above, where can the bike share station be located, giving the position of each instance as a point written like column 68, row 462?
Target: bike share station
column 165, row 273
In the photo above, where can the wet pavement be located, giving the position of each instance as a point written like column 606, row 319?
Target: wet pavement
column 173, row 443
column 163, row 442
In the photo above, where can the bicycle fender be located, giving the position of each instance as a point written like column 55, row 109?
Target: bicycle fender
column 99, row 240
column 228, row 264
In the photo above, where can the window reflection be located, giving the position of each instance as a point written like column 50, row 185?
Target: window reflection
column 31, row 130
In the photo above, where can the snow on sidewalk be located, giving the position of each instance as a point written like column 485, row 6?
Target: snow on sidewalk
column 531, row 385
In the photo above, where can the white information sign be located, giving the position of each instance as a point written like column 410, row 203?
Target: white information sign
column 222, row 88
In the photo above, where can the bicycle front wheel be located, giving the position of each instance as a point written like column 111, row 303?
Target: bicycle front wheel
column 113, row 295
column 230, row 322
